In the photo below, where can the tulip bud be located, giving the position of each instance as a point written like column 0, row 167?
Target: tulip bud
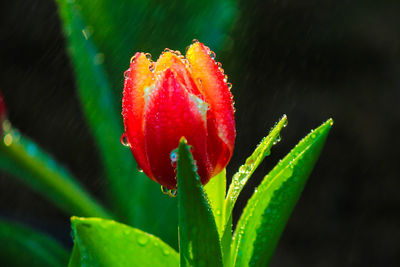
column 175, row 97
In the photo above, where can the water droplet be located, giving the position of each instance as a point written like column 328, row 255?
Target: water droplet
column 8, row 139
column 277, row 140
column 225, row 78
column 173, row 156
column 127, row 73
column 148, row 56
column 288, row 172
column 229, row 86
column 199, row 81
column 195, row 41
column 139, row 169
column 133, row 58
column 166, row 252
column 142, row 240
column 167, row 50
column 172, row 192
column 164, row 190
column 212, row 54
column 219, row 64
column 152, row 67
column 124, row 140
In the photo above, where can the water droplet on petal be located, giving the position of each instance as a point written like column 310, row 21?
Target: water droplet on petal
column 229, row 86
column 164, row 190
column 139, row 169
column 172, row 192
column 133, row 58
column 148, row 56
column 195, row 41
column 124, row 140
column 225, row 78
column 127, row 73
column 173, row 156
column 212, row 54
column 152, row 67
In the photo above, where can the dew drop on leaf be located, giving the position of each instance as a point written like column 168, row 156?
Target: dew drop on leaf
column 166, row 252
column 142, row 240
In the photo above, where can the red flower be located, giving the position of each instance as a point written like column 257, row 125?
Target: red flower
column 176, row 97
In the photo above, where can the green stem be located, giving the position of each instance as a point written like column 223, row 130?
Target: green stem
column 22, row 158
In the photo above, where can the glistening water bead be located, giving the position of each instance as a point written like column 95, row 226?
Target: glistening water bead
column 169, row 192
column 124, row 140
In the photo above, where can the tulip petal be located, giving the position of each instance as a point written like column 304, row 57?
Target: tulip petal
column 221, row 122
column 172, row 112
column 170, row 60
column 137, row 78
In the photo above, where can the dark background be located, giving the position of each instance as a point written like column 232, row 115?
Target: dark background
column 311, row 60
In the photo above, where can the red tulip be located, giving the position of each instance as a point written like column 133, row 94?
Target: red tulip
column 175, row 97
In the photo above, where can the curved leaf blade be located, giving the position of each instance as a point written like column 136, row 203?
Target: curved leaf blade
column 267, row 211
column 198, row 235
column 23, row 246
column 240, row 178
column 107, row 243
column 22, row 158
column 75, row 258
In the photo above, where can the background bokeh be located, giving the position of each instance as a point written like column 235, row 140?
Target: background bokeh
column 310, row 60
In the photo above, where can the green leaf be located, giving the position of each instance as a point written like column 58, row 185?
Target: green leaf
column 106, row 243
column 132, row 193
column 267, row 211
column 215, row 190
column 23, row 246
column 75, row 258
column 22, row 158
column 240, row 178
column 198, row 235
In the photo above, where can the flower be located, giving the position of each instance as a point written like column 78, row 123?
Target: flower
column 175, row 97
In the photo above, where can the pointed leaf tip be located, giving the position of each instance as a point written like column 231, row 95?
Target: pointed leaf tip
column 268, row 210
column 198, row 235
